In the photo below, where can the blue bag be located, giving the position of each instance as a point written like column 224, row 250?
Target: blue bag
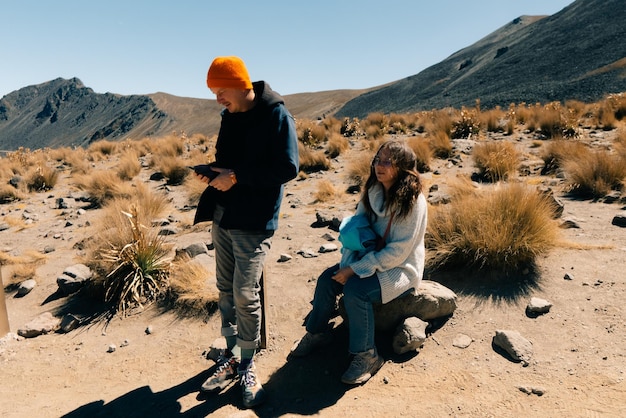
column 356, row 234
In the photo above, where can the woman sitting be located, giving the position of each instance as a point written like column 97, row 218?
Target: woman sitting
column 396, row 207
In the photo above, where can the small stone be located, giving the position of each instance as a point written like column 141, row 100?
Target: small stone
column 328, row 248
column 462, row 341
column 568, row 276
column 111, row 348
column 149, row 330
column 25, row 287
column 284, row 257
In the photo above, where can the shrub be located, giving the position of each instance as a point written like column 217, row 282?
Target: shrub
column 310, row 133
column 326, row 191
column 504, row 229
column 351, row 127
column 421, row 148
column 189, row 290
column 593, row 174
column 466, row 125
column 360, row 167
column 311, row 161
column 337, row 144
column 42, row 178
column 495, row 160
column 9, row 194
column 558, row 151
column 136, row 264
column 440, row 144
column 102, row 186
column 129, row 165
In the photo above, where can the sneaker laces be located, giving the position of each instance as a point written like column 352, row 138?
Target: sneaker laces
column 248, row 378
column 226, row 362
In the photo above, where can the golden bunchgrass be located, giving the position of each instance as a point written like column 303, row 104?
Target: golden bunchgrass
column 560, row 150
column 9, row 194
column 312, row 160
column 337, row 144
column 504, row 228
column 325, row 192
column 102, row 186
column 423, row 152
column 129, row 165
column 440, row 144
column 495, row 161
column 360, row 166
column 41, row 178
column 102, row 148
column 173, row 168
column 595, row 173
column 190, row 291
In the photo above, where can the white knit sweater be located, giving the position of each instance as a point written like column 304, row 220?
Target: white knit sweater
column 400, row 265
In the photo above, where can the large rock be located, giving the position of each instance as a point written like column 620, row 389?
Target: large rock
column 43, row 324
column 73, row 278
column 432, row 300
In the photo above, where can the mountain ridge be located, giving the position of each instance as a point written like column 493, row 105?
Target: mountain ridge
column 575, row 54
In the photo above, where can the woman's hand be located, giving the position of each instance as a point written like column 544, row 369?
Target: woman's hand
column 343, row 274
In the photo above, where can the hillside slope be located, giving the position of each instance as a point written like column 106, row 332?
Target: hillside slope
column 578, row 53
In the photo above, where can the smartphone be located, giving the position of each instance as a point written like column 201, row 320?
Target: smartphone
column 205, row 170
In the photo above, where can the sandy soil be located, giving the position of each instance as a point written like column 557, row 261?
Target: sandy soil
column 578, row 368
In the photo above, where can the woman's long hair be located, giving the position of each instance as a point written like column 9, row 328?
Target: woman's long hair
column 403, row 193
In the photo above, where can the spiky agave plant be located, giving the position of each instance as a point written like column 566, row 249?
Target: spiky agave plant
column 141, row 268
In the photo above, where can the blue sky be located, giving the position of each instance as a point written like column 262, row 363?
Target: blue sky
column 147, row 46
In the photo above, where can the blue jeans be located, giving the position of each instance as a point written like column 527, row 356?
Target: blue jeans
column 239, row 259
column 359, row 295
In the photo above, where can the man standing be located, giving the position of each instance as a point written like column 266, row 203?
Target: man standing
column 256, row 153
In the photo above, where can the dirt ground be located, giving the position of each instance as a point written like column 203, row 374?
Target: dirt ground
column 578, row 368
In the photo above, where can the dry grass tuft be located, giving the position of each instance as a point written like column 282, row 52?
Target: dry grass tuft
column 9, row 194
column 423, row 152
column 504, row 229
column 595, row 173
column 41, row 178
column 312, row 160
column 326, row 191
column 556, row 152
column 337, row 144
column 102, row 186
column 360, row 167
column 495, row 161
column 129, row 165
column 174, row 169
column 190, row 291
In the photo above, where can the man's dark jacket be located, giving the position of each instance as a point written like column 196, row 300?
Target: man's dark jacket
column 261, row 147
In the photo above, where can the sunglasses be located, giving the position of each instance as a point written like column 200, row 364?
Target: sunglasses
column 383, row 163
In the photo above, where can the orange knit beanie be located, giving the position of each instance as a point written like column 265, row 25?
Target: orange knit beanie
column 228, row 72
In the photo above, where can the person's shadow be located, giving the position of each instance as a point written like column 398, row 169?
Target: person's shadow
column 302, row 386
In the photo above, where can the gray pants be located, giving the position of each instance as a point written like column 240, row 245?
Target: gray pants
column 239, row 258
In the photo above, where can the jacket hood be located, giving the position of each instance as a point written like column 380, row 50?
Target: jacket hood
column 265, row 95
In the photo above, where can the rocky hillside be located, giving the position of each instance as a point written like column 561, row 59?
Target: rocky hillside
column 66, row 113
column 578, row 53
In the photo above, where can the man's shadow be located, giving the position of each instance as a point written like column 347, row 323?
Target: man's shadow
column 302, row 386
